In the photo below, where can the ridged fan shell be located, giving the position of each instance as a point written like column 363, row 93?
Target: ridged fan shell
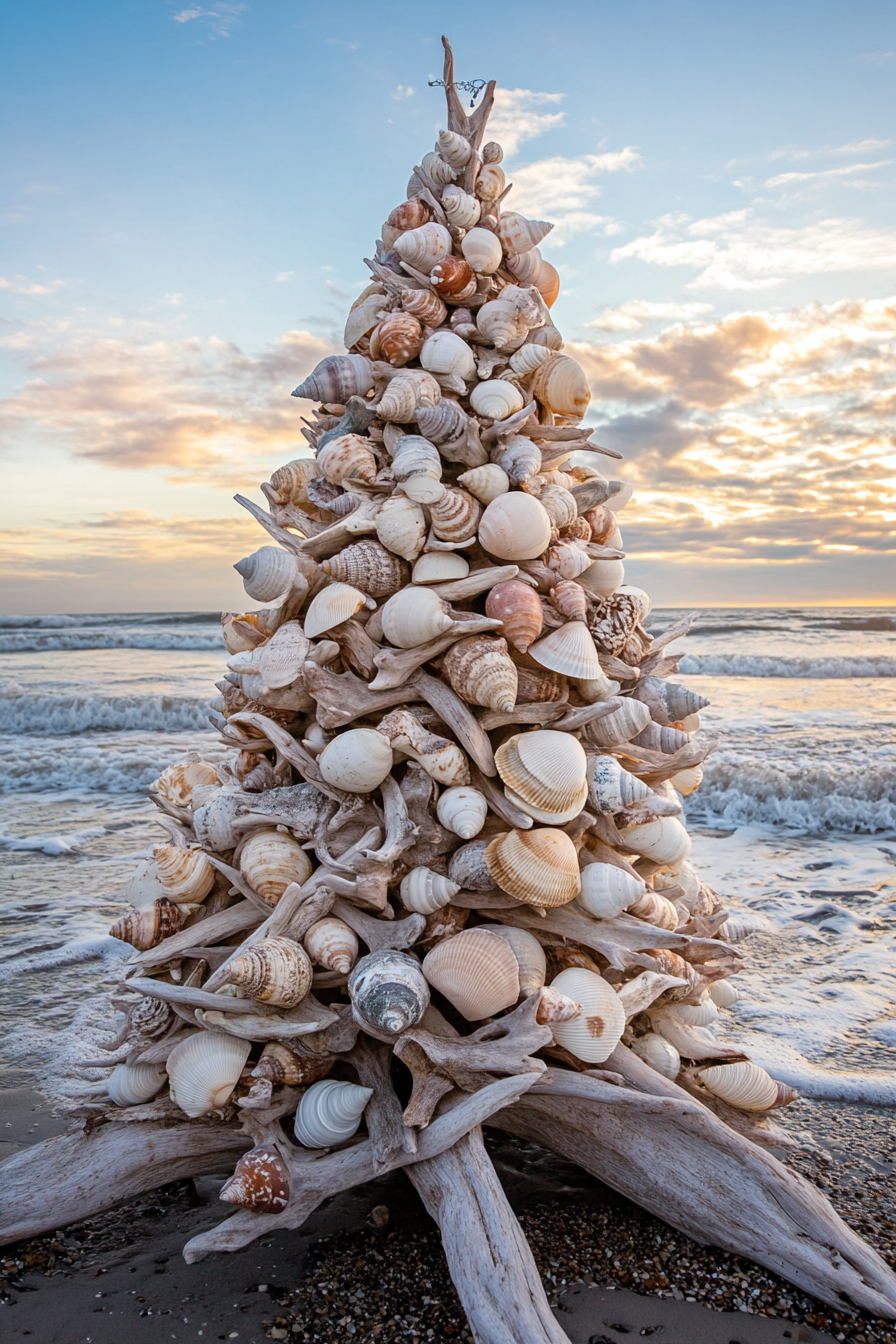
column 594, row 1035
column 569, row 650
column 476, row 971
column 544, row 774
column 204, row 1069
column 334, row 604
column 539, row 867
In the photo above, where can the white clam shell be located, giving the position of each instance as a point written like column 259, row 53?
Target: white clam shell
column 357, row 761
column 608, row 890
column 603, row 577
column 462, row 810
column 132, row 1084
column 743, row 1085
column 330, row 1112
column 424, row 891
column 440, row 567
column 482, row 250
column 496, row 399
column 203, row 1070
column 486, row 483
column 659, row 1053
column 333, row 605
column 594, row 1035
column 414, row 616
column 569, row 650
column 515, row 527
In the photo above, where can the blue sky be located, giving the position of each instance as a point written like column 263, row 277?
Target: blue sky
column 188, row 192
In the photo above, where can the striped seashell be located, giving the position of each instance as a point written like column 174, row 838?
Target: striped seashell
column 656, row 737
column 569, row 650
column 461, row 209
column 347, row 458
column 455, row 149
column 529, row 954
column 521, row 459
column 534, row 687
column 406, row 393
column 594, row 1035
column 492, row 152
column 486, row 482
column 268, row 573
column 608, row 890
column 568, row 559
column 149, row 925
column 453, row 279
column 437, row 169
column 260, row 1182
column 133, row 1084
column 548, row 336
column 357, row 761
column 462, row 810
column 409, row 215
column 519, row 608
column 662, row 839
column 667, row 701
column 543, row 773
column 332, row 944
column 496, row 399
column 559, row 505
column 525, row 267
column 337, row 378
column 445, row 353
column 289, row 483
column 456, row 515
column 443, row 423
column 482, row 250
column 401, row 526
column 204, row 1069
column 398, row 339
column 330, row 1113
column 369, row 567
column 334, row 604
column 423, row 247
column 477, row 972
column 424, row 891
column 177, row 782
column 514, row 526
column 481, row 671
column 655, row 909
column 273, row 970
column 440, row 567
column 150, row 1019
column 490, row 183
column 743, row 1085
column 428, row 308
column 505, row 322
column 185, row 874
column 627, row 719
column 270, row 860
column 602, row 522
column 578, row 529
column 561, row 386
column 568, row 598
column 388, row 991
column 282, row 1065
column 539, row 867
column 610, row 788
column 659, row 1054
column 518, row 234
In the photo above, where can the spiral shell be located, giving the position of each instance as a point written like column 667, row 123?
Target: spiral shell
column 332, row 944
column 561, row 386
column 481, row 671
column 347, row 458
column 629, row 718
column 423, row 247
column 455, row 516
column 268, row 573
column 608, row 890
column 204, row 1069
column 282, row 1065
column 567, row 559
column 659, row 1053
column 437, row 169
column 662, row 839
column 492, row 152
column 569, row 650
column 334, row 604
column 667, row 701
column 357, row 761
column 515, row 527
column 150, row 1019
column 543, row 773
column 148, row 926
column 594, row 1035
column 398, row 338
column 440, row 567
column 337, row 378
column 477, row 972
column 482, row 250
column 388, row 991
column 743, row 1085
column 496, row 399
column 289, row 483
column 185, row 874
column 177, row 782
column 369, row 567
column 610, row 788
column 424, row 891
column 428, row 308
column 468, row 868
column 521, row 459
column 462, row 810
column 406, row 393
column 270, row 860
column 539, row 867
column 445, row 353
column 260, row 1182
column 501, row 322
column 461, row 209
column 560, row 505
column 330, row 1112
column 534, row 687
column 443, row 423
column 519, row 608
column 132, row 1084
column 455, row 149
column 528, row 358
column 490, row 182
column 525, row 267
column 454, row 280
column 486, row 482
column 414, row 616
column 518, row 234
column 273, row 970
column 655, row 909
column 401, row 526
column 568, row 598
column 657, row 738
column 361, row 320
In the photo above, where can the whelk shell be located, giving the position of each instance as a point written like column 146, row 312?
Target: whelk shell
column 667, row 701
column 456, row 515
column 496, row 399
column 437, row 169
column 334, row 604
column 518, row 234
column 515, row 527
column 610, row 788
column 539, row 867
column 482, row 250
column 569, row 650
column 569, row 599
column 544, row 774
column 273, row 970
column 519, row 607
column 662, row 839
column 561, row 386
column 744, row 1085
column 289, row 482
column 282, row 1065
column 398, row 338
column 270, row 860
column 485, row 483
column 332, row 944
column 148, row 926
column 337, row 378
column 423, row 247
column 185, row 874
column 329, row 1113
column 521, row 458
column 480, row 669
column 627, row 719
column 204, row 1069
column 369, row 567
column 461, row 209
column 426, row 307
column 424, row 891
column 462, row 810
column 594, row 1035
column 388, row 991
column 443, row 423
column 357, row 761
column 268, row 573
column 455, row 149
column 444, row 352
column 608, row 890
column 260, row 1182
column 406, row 393
column 414, row 616
column 476, row 971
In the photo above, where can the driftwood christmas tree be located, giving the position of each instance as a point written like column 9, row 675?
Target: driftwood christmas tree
column 442, row 880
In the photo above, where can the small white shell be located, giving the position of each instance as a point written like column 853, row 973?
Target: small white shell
column 462, row 810
column 723, row 994
column 608, row 890
column 515, row 527
column 482, row 250
column 132, row 1084
column 486, row 483
column 333, row 605
column 401, row 526
column 357, row 761
column 662, row 839
column 701, row 1014
column 594, row 1035
column 569, row 650
column 744, row 1085
column 332, row 944
column 267, row 573
column 603, row 577
column 440, row 567
column 414, row 616
column 330, row 1112
column 203, row 1070
column 424, row 891
column 659, row 1053
column 496, row 399
column 528, row 358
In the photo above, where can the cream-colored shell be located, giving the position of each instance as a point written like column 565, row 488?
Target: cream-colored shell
column 268, row 573
column 659, row 1053
column 334, row 604
column 133, row 1084
column 440, row 567
column 347, row 458
column 515, row 527
column 539, row 867
column 662, row 839
column 655, row 909
column 701, row 1014
column 461, row 209
column 544, row 774
column 177, row 782
column 561, row 386
column 486, row 482
column 406, row 393
column 332, row 944
column 273, row 970
column 414, row 616
column 444, row 352
column 423, row 247
column 496, row 399
column 185, row 874
column 462, row 810
column 688, row 781
column 150, row 925
column 628, row 719
column 529, row 955
column 490, row 182
column 270, row 860
column 480, row 669
column 477, row 972
column 356, row 761
column 455, row 149
column 603, row 577
column 569, row 650
column 330, row 1112
column 723, row 994
column 204, row 1069
column 608, row 890
column 594, row 1035
column 482, row 250
column 518, row 234
column 401, row 526
column 416, row 465
column 610, row 788
column 424, row 891
column 743, row 1085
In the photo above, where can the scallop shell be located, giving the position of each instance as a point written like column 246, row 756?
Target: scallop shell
column 406, row 393
column 330, row 1112
column 369, row 567
column 594, row 1035
column 177, row 782
column 455, row 516
column 662, row 839
column 490, row 182
column 743, row 1085
column 519, row 608
column 133, row 1084
column 204, row 1069
column 437, row 169
column 423, row 247
column 481, row 671
column 289, row 483
column 515, row 527
column 603, row 577
column 424, row 891
column 567, row 559
column 461, row 209
column 268, row 573
column 659, row 1053
column 440, row 567
column 477, row 972
column 568, row 598
column 610, row 788
column 347, row 458
column 468, row 868
column 539, row 867
column 414, row 616
column 496, row 399
column 260, row 1182
column 445, row 353
column 667, row 701
column 529, row 955
column 388, row 991
column 569, row 650
column 270, row 860
column 401, row 526
column 337, row 378
column 543, row 773
column 518, row 234
column 482, row 250
column 485, row 483
column 282, row 1065
column 150, row 925
column 628, row 719
column 608, row 890
column 426, row 307
column 397, row 339
column 273, row 970
column 185, row 874
column 561, row 386
column 688, row 781
column 332, row 944
column 443, row 423
column 655, row 909
column 455, row 149
column 462, row 810
column 454, row 280
column 357, row 761
column 334, row 604
column 722, row 994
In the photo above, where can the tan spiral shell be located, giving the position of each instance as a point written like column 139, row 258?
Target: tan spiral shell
column 539, row 867
column 443, row 423
column 456, row 515
column 177, row 782
column 486, row 482
column 476, row 971
column 273, row 970
column 543, row 773
column 406, row 393
column 426, row 307
column 481, row 671
column 148, row 926
column 337, row 378
column 490, row 182
column 482, row 250
column 519, row 607
column 347, row 458
column 185, row 874
column 369, row 567
column 518, row 234
column 423, row 247
column 561, row 386
column 534, row 687
column 424, row 891
column 454, row 148
column 332, row 944
column 461, row 209
column 496, row 399
column 567, row 559
column 655, row 909
column 289, row 482
column 398, row 339
column 569, row 599
column 283, row 1065
column 270, row 860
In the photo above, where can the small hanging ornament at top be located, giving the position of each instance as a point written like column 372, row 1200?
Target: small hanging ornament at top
column 472, row 86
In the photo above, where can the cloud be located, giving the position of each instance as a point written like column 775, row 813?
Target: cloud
column 562, row 190
column 875, row 57
column 20, row 284
column 514, row 119
column 633, row 315
column 740, row 251
column 283, row 276
column 220, row 19
column 849, row 170
column 403, row 91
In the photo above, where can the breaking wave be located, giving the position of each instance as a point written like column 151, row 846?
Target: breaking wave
column 758, row 665
column 47, row 713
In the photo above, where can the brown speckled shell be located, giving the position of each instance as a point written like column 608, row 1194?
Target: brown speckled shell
column 519, row 607
column 260, row 1182
column 148, row 926
column 397, row 339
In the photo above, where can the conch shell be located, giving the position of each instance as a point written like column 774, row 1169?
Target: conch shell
column 337, row 378
column 270, row 860
column 204, row 1069
column 288, row 484
column 149, row 925
column 388, row 991
column 610, row 788
column 329, row 1113
column 332, row 944
column 357, row 761
column 260, row 1182
column 462, row 810
column 544, row 774
column 608, row 890
column 268, row 573
column 185, row 874
column 398, row 338
column 477, row 972
column 369, row 567
column 443, row 423
column 628, row 719
column 481, row 671
column 594, row 1035
column 273, row 970
column 424, row 891
column 518, row 234
column 539, row 867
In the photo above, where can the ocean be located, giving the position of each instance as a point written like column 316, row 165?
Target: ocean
column 795, row 824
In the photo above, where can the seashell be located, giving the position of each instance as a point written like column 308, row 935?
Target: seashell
column 437, row 169
column 337, row 378
column 477, row 972
column 579, row 529
column 515, row 526
column 428, row 308
column 424, row 891
column 397, row 339
column 150, row 1019
column 282, row 1065
column 468, row 868
column 388, row 991
column 204, row 1069
column 482, row 250
column 539, row 867
column 185, row 874
column 534, row 686
column 332, row 944
column 496, row 399
column 689, row 724
column 658, row 738
column 454, row 280
column 667, row 701
column 559, row 505
column 525, row 267
column 270, row 860
column 548, row 283
column 461, row 209
column 132, row 1084
column 334, row 604
column 608, row 890
column 501, row 322
column 330, row 1112
column 481, row 671
column 462, row 810
column 360, row 322
column 490, row 182
column 567, row 559
column 561, row 386
column 455, row 516
column 569, row 650
column 723, row 994
column 701, row 1014
column 521, row 459
column 406, row 393
column 443, row 423
column 602, row 522
column 260, row 1182
column 518, row 234
column 662, row 839
column 595, row 689
column 401, row 526
column 368, row 567
column 485, row 483
column 417, row 466
column 177, row 782
column 555, row 1007
column 289, row 484
column 594, row 1035
column 149, row 925
column 492, row 152
column 273, row 970
column 213, row 821
column 610, row 788
column 445, row 353
column 519, row 608
column 279, row 661
column 688, row 781
column 629, row 718
column 423, row 247
column 603, row 577
column 409, row 215
column 268, row 573
column 455, row 149
column 743, row 1085
column 357, row 761
column 659, row 1053
column 347, row 458
column 655, row 909
column 543, row 773
column 414, row 616
column 529, row 955
column 440, row 567
column 568, row 598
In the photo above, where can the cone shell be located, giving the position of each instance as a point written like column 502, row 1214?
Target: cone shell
column 428, row 308
column 455, row 516
column 594, row 1035
column 148, row 926
column 518, row 234
column 330, row 1112
column 561, row 386
column 461, row 209
column 332, row 944
column 273, row 970
column 462, row 810
column 283, row 1065
column 610, row 788
column 496, row 399
column 659, row 1053
column 625, row 722
column 185, row 874
column 423, row 247
column 455, row 149
column 454, row 280
column 337, row 378
column 530, row 958
column 467, row 867
column 388, row 991
column 569, row 650
column 334, row 604
column 544, row 774
column 133, row 1084
column 482, row 250
column 260, row 1182
column 401, row 526
column 176, row 784
column 485, row 483
column 539, row 867
column 414, row 616
column 204, row 1069
column 357, row 761
column 270, row 860
column 440, row 567
column 515, row 527
column 743, row 1085
column 481, row 671
column 477, row 972
column 662, row 839
column 369, row 567
column 424, row 891
column 608, row 890
column 443, row 423
column 398, row 339
column 268, row 573
column 655, row 909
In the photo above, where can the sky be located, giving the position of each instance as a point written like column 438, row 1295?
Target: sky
column 189, row 190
